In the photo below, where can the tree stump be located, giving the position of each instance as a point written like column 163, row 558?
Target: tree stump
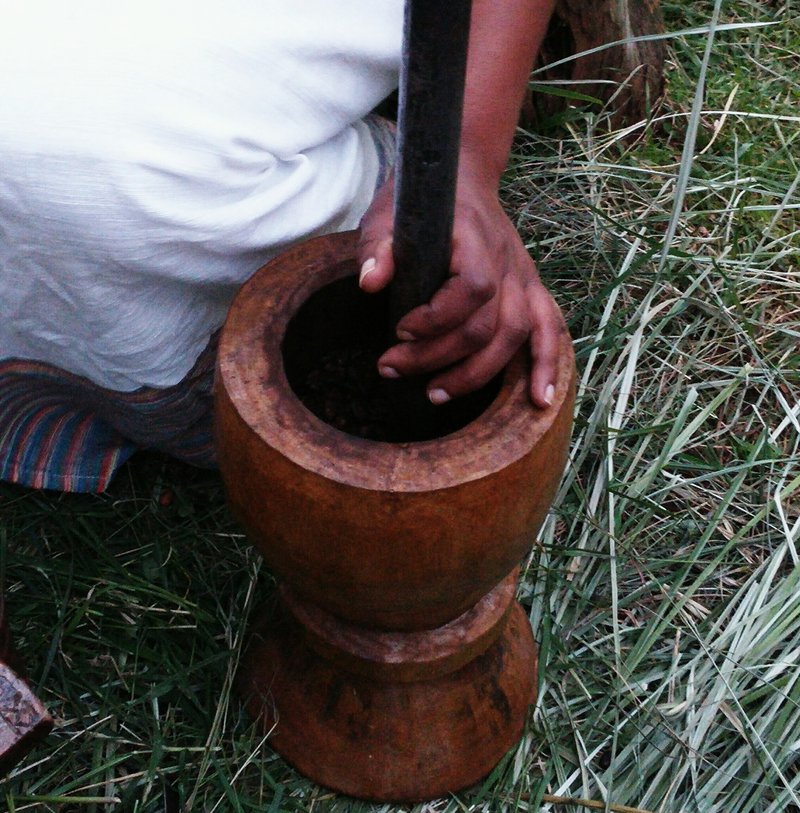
column 629, row 77
column 23, row 719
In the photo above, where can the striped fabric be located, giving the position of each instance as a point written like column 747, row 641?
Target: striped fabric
column 60, row 431
column 384, row 137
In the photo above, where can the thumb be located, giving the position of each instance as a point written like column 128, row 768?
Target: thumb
column 374, row 252
column 376, row 264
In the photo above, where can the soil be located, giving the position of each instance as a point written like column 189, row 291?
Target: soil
column 330, row 352
column 345, row 391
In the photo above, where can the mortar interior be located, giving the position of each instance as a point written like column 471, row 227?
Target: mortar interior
column 330, row 352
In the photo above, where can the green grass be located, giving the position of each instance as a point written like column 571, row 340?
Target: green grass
column 664, row 589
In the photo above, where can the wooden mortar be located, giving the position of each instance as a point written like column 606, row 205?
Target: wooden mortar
column 398, row 666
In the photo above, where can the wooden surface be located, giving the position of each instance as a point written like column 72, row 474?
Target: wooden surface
column 392, row 675
column 23, row 719
column 396, row 536
column 390, row 741
column 405, row 656
column 633, row 73
column 431, row 99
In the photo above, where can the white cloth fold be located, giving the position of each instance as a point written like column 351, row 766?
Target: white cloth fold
column 154, row 154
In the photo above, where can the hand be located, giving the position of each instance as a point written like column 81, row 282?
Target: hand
column 492, row 302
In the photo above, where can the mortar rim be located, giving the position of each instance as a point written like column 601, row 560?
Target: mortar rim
column 250, row 367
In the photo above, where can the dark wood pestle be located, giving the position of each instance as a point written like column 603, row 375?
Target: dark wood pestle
column 431, row 102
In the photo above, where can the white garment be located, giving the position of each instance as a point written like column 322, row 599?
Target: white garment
column 154, row 154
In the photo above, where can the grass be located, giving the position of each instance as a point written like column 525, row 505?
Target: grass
column 664, row 586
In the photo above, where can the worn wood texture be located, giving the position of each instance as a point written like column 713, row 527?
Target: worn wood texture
column 390, row 741
column 405, row 656
column 632, row 73
column 24, row 721
column 402, row 668
column 431, row 99
column 397, row 536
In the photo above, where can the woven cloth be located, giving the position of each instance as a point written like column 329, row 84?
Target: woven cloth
column 60, row 431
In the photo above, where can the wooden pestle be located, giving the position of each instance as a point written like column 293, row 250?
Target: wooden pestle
column 432, row 76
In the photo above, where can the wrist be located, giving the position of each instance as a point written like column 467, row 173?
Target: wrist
column 478, row 172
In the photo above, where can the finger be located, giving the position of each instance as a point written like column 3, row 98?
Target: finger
column 547, row 325
column 374, row 249
column 471, row 284
column 377, row 267
column 427, row 355
column 377, row 222
column 479, row 368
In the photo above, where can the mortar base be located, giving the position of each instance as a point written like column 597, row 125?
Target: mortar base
column 389, row 741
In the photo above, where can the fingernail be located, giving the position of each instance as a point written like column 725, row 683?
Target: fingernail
column 368, row 267
column 548, row 394
column 405, row 336
column 438, row 397
column 388, row 372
